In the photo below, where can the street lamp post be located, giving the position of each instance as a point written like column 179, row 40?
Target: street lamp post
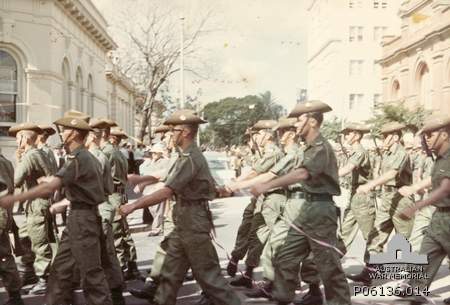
column 182, row 63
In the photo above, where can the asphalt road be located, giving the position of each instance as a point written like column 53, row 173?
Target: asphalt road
column 227, row 216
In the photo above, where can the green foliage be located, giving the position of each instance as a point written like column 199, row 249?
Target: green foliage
column 330, row 128
column 229, row 118
column 388, row 112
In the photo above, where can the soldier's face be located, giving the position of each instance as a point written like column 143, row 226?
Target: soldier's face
column 178, row 131
column 434, row 140
column 388, row 141
column 302, row 125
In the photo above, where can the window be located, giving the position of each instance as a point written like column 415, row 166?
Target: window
column 352, row 33
column 79, row 90
column 354, row 100
column 8, row 91
column 384, row 4
column 355, row 3
column 379, row 32
column 355, row 33
column 376, row 100
column 360, row 33
column 380, row 4
column 356, row 67
column 376, row 4
column 90, row 96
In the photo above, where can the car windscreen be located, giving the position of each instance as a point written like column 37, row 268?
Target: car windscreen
column 217, row 164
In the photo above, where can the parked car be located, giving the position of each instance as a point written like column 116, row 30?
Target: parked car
column 220, row 167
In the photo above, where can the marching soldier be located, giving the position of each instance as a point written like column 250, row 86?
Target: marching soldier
column 8, row 268
column 266, row 211
column 32, row 165
column 318, row 174
column 436, row 242
column 41, row 143
column 189, row 244
column 80, row 244
column 395, row 172
column 107, row 212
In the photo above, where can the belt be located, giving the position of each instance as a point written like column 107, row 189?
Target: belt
column 278, row 191
column 296, row 195
column 318, row 197
column 118, row 188
column 443, row 209
column 192, row 202
column 76, row 205
column 389, row 188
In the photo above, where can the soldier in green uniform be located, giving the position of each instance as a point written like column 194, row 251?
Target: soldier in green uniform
column 126, row 251
column 436, row 242
column 242, row 237
column 8, row 268
column 189, row 244
column 360, row 212
column 80, row 244
column 266, row 210
column 318, row 174
column 33, row 165
column 107, row 212
column 395, row 173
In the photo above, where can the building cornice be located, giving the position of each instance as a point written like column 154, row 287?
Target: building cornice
column 409, row 8
column 90, row 19
column 113, row 74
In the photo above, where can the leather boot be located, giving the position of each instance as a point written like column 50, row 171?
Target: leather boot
column 39, row 288
column 117, row 296
column 134, row 272
column 364, row 277
column 147, row 292
column 312, row 297
column 263, row 291
column 232, row 266
column 204, row 300
column 28, row 278
column 244, row 280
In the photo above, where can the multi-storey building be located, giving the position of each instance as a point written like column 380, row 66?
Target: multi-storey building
column 416, row 63
column 344, row 44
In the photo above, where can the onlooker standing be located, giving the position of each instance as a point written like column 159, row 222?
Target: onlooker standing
column 131, row 163
column 138, row 157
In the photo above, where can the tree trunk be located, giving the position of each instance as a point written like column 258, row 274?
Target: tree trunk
column 147, row 117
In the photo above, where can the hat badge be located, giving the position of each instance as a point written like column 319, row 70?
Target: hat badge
column 74, row 122
column 182, row 117
column 307, row 104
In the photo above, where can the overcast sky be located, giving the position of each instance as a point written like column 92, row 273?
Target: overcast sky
column 258, row 45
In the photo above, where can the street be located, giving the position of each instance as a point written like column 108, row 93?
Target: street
column 227, row 216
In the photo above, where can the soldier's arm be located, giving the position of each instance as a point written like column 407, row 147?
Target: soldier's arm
column 59, row 207
column 263, row 178
column 134, row 179
column 23, row 169
column 41, row 190
column 408, row 190
column 346, row 169
column 443, row 191
column 293, row 177
column 380, row 180
column 146, row 201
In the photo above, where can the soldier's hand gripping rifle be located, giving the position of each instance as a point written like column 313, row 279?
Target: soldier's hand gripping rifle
column 344, row 150
column 250, row 133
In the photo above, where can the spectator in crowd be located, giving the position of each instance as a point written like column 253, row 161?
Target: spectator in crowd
column 138, row 157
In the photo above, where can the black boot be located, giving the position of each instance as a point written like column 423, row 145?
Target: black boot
column 232, row 266
column 204, row 300
column 147, row 292
column 14, row 298
column 28, row 278
column 244, row 280
column 312, row 297
column 117, row 296
column 39, row 288
column 263, row 291
column 134, row 272
column 364, row 277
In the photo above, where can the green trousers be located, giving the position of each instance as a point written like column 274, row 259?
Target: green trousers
column 242, row 238
column 8, row 269
column 422, row 221
column 40, row 235
column 318, row 219
column 387, row 219
column 113, row 271
column 79, row 249
column 267, row 212
column 124, row 244
column 436, row 245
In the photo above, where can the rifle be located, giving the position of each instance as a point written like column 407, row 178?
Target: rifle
column 425, row 147
column 254, row 142
column 342, row 147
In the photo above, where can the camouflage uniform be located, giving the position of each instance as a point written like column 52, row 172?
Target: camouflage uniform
column 318, row 218
column 189, row 244
column 81, row 242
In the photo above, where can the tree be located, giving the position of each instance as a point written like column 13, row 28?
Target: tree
column 149, row 49
column 230, row 117
column 331, row 128
column 398, row 111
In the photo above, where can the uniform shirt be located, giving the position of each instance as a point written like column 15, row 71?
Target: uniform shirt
column 118, row 163
column 32, row 166
column 82, row 178
column 441, row 170
column 105, row 168
column 190, row 178
column 272, row 154
column 6, row 187
column 360, row 159
column 50, row 158
column 396, row 158
column 294, row 156
column 321, row 164
column 159, row 166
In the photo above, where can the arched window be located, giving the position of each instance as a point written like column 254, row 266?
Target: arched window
column 79, row 90
column 423, row 82
column 66, row 102
column 395, row 92
column 90, row 96
column 8, row 91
